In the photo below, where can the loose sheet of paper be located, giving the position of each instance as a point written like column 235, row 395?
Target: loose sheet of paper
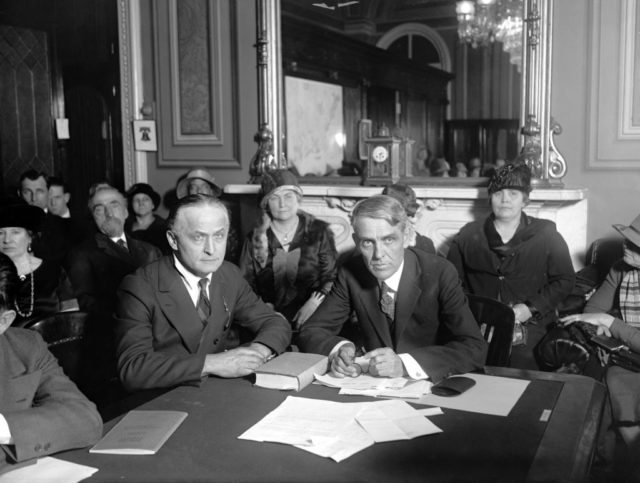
column 338, row 430
column 365, row 385
column 50, row 470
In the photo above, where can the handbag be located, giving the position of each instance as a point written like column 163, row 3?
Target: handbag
column 566, row 348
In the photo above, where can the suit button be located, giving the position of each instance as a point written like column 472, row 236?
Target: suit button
column 215, row 342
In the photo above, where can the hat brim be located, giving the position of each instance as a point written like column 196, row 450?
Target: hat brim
column 279, row 189
column 22, row 216
column 629, row 233
column 183, row 185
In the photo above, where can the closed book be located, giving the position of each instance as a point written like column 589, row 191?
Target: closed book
column 140, row 432
column 291, row 371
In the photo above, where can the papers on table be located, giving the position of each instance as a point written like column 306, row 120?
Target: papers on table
column 491, row 395
column 50, row 470
column 339, row 430
column 366, row 385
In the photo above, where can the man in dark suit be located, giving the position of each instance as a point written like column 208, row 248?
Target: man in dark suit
column 98, row 265
column 173, row 316
column 41, row 410
column 411, row 310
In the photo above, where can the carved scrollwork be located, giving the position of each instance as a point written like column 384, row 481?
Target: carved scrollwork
column 344, row 204
column 431, row 204
column 557, row 164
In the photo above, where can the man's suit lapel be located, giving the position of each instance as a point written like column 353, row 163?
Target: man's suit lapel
column 408, row 294
column 370, row 297
column 177, row 306
column 111, row 249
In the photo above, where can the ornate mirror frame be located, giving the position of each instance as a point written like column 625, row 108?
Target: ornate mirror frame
column 537, row 148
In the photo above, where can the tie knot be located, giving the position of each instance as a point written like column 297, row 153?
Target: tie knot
column 202, row 283
column 386, row 289
column 122, row 244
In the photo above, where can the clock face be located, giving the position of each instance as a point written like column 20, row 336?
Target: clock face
column 380, row 154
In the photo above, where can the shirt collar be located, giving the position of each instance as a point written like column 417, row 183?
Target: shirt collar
column 393, row 282
column 118, row 238
column 191, row 279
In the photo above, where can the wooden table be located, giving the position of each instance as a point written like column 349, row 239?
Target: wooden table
column 472, row 447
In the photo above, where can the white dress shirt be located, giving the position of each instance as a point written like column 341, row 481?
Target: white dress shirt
column 5, row 433
column 190, row 281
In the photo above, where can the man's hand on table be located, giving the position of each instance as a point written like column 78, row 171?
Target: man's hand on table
column 237, row 362
column 384, row 362
column 342, row 362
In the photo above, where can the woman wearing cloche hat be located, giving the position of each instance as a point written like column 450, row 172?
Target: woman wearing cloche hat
column 517, row 259
column 615, row 310
column 39, row 278
column 143, row 224
column 289, row 259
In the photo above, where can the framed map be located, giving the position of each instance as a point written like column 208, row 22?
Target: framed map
column 315, row 126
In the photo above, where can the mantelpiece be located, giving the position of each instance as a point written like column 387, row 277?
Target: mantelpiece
column 447, row 209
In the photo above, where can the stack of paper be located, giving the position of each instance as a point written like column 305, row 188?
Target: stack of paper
column 339, row 430
column 365, row 385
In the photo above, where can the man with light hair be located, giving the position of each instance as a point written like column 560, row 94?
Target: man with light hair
column 173, row 317
column 411, row 310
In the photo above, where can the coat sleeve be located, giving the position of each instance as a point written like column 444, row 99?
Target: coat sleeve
column 603, row 300
column 60, row 418
column 455, row 257
column 82, row 279
column 327, row 258
column 626, row 333
column 140, row 365
column 560, row 276
column 319, row 334
column 463, row 348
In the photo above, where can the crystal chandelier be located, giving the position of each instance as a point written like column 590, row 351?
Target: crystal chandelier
column 481, row 22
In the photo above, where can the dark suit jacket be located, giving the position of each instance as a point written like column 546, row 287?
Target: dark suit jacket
column 45, row 411
column 160, row 339
column 97, row 266
column 433, row 322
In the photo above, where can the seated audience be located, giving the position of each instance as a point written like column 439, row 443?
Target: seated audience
column 407, row 198
column 39, row 279
column 173, row 316
column 144, row 224
column 52, row 244
column 290, row 259
column 201, row 181
column 41, row 410
column 517, row 259
column 98, row 265
column 410, row 307
column 615, row 309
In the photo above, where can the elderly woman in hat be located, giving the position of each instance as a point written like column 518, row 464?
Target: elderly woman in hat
column 407, row 198
column 38, row 294
column 144, row 224
column 290, row 258
column 517, row 259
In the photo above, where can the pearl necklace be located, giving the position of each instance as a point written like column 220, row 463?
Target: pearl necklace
column 27, row 314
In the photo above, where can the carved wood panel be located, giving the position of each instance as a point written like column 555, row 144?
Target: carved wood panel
column 25, row 102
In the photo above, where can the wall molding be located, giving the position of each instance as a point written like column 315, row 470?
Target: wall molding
column 613, row 138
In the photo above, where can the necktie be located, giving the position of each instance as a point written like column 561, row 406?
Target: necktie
column 123, row 244
column 204, row 305
column 387, row 301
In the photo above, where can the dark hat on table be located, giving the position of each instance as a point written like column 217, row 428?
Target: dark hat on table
column 512, row 177
column 274, row 182
column 182, row 189
column 15, row 212
column 145, row 189
column 631, row 232
column 405, row 195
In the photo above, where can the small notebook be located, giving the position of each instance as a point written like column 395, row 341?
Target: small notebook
column 291, row 371
column 140, row 432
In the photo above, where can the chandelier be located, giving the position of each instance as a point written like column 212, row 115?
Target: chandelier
column 481, row 22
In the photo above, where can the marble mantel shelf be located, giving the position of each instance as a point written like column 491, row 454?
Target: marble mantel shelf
column 448, row 208
column 547, row 194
